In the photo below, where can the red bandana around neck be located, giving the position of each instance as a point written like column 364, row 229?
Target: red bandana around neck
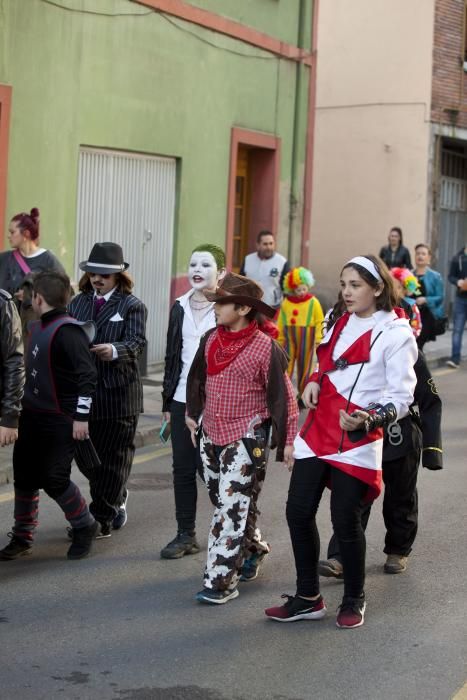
column 226, row 345
column 299, row 300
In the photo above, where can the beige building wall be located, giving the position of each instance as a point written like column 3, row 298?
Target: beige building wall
column 372, row 130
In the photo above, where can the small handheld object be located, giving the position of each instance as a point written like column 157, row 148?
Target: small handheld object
column 165, row 431
column 378, row 417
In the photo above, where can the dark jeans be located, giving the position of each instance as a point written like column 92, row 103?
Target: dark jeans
column 400, row 507
column 186, row 462
column 458, row 319
column 309, row 478
column 43, row 453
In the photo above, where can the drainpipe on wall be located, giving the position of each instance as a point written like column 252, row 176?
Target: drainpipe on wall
column 310, row 137
column 294, row 196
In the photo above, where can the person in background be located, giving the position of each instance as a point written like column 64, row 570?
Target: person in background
column 26, row 257
column 408, row 288
column 300, row 323
column 458, row 277
column 267, row 267
column 120, row 317
column 191, row 316
column 431, row 298
column 395, row 254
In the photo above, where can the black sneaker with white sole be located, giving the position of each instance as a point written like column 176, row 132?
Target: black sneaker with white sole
column 210, row 596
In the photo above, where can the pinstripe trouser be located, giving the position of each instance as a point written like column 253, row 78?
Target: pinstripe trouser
column 114, row 440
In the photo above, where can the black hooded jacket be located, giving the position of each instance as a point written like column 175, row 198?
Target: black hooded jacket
column 11, row 362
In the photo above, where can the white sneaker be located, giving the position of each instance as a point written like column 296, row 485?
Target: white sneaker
column 452, row 364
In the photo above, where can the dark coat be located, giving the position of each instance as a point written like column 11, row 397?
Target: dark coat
column 422, row 427
column 398, row 258
column 11, row 362
column 173, row 355
column 276, row 392
column 122, row 323
column 458, row 271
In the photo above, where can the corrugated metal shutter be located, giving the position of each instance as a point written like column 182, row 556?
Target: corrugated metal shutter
column 130, row 199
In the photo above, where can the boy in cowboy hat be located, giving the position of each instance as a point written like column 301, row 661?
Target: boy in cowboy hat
column 121, row 322
column 239, row 384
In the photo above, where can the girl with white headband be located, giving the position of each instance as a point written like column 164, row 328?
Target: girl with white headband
column 364, row 381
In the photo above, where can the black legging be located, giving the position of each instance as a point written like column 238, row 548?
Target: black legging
column 309, row 478
column 185, row 466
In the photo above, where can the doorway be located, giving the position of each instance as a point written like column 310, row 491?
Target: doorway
column 253, row 192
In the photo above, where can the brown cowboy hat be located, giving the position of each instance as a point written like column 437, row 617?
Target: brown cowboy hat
column 236, row 289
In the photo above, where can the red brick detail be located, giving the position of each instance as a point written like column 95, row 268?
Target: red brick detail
column 449, row 87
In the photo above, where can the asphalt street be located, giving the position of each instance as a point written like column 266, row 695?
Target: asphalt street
column 124, row 624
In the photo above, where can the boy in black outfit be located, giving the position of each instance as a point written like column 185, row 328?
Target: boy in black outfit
column 60, row 379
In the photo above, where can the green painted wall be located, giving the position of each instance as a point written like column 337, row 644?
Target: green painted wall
column 278, row 18
column 135, row 83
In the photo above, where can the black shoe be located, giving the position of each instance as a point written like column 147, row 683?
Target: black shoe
column 16, row 548
column 184, row 543
column 210, row 596
column 104, row 531
column 81, row 541
column 331, row 568
column 121, row 518
column 252, row 565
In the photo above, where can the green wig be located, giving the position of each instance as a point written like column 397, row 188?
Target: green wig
column 216, row 252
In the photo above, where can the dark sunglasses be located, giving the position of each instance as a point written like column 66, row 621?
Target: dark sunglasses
column 96, row 274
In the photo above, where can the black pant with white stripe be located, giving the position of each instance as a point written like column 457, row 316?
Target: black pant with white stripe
column 114, row 440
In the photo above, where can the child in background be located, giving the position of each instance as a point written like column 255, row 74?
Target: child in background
column 300, row 323
column 408, row 287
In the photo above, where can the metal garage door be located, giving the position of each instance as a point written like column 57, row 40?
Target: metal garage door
column 130, row 199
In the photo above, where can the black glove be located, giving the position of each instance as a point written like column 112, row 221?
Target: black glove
column 378, row 417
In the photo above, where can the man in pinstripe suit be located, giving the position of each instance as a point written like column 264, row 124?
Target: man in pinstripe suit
column 120, row 319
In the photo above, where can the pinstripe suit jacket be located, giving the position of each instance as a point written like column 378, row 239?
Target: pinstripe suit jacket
column 121, row 322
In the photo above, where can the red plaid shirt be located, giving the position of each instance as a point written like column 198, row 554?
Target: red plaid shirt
column 237, row 394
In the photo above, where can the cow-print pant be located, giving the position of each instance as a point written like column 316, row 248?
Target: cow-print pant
column 234, row 484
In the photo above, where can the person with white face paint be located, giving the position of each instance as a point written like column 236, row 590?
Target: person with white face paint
column 190, row 317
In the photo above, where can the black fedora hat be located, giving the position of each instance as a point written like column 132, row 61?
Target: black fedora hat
column 105, row 259
column 236, row 289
